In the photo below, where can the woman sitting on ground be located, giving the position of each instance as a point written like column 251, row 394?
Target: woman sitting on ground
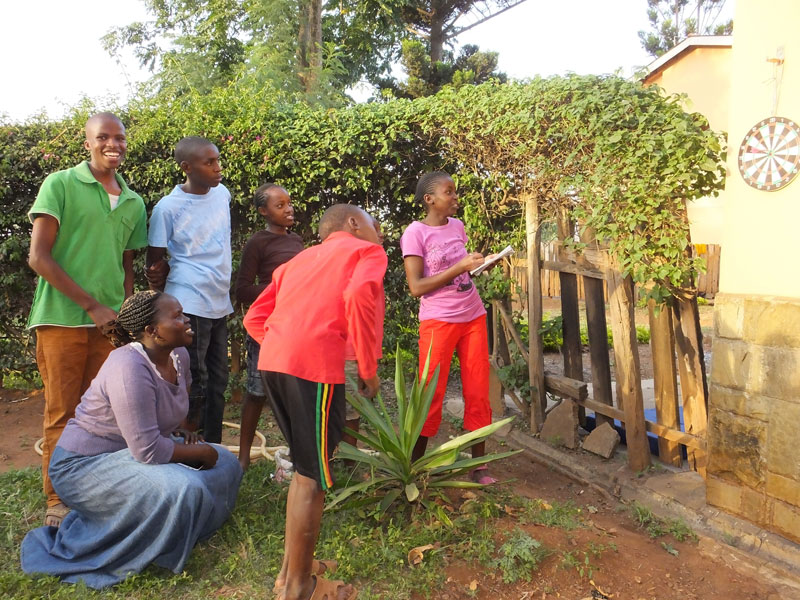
column 137, row 494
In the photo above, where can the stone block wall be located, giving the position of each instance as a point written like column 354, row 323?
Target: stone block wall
column 754, row 411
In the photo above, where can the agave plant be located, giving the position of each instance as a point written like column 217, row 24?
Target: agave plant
column 389, row 446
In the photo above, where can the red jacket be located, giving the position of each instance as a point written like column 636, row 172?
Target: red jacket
column 315, row 301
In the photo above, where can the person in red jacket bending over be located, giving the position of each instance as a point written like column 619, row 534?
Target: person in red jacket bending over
column 317, row 300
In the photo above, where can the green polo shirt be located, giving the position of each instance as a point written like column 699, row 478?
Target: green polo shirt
column 89, row 245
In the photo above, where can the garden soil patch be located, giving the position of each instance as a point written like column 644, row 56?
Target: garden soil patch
column 624, row 563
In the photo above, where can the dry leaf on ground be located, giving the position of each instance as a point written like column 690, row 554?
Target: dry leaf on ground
column 415, row 555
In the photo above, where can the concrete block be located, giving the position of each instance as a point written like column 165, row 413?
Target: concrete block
column 729, row 316
column 561, row 425
column 769, row 322
column 603, row 441
column 739, row 403
column 786, row 519
column 454, row 407
column 782, row 374
column 724, row 495
column 684, row 487
column 736, row 365
column 755, row 506
column 737, row 448
column 782, row 439
column 504, row 430
column 783, row 488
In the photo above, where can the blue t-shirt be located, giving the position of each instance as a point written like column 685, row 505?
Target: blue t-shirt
column 196, row 231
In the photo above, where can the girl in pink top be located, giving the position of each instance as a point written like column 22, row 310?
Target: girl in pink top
column 451, row 313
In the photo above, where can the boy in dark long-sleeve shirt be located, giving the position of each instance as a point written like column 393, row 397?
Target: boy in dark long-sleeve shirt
column 264, row 252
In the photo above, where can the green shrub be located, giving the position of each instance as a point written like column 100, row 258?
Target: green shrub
column 393, row 473
column 632, row 156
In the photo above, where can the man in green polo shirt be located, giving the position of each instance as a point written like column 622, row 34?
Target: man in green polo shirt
column 86, row 225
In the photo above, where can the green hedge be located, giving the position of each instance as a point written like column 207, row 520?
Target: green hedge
column 619, row 156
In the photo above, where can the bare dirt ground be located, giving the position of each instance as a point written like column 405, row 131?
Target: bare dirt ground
column 618, row 559
column 21, row 416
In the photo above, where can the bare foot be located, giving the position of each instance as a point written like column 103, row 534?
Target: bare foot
column 55, row 514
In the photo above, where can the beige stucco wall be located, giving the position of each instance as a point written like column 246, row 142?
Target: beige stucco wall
column 703, row 74
column 761, row 228
column 754, row 403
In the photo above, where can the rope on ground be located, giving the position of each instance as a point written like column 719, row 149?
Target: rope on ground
column 267, row 452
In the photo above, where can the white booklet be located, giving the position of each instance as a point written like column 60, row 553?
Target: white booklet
column 488, row 262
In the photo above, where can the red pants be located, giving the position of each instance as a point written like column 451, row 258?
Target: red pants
column 68, row 359
column 471, row 342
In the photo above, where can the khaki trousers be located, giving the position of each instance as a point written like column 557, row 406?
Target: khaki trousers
column 68, row 359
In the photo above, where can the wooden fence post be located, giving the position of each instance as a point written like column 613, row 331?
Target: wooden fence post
column 570, row 317
column 535, row 348
column 691, row 366
column 595, row 301
column 496, row 399
column 627, row 369
column 598, row 344
column 662, row 343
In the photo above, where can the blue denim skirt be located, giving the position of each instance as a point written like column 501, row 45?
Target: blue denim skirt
column 126, row 515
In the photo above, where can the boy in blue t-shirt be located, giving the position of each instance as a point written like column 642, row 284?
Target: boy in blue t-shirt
column 193, row 226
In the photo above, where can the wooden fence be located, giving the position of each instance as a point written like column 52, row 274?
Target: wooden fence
column 707, row 283
column 676, row 342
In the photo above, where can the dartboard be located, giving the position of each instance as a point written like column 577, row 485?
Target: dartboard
column 769, row 156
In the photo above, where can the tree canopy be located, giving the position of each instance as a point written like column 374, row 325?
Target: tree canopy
column 672, row 21
column 315, row 46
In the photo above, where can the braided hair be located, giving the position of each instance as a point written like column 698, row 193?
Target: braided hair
column 136, row 313
column 427, row 184
column 261, row 196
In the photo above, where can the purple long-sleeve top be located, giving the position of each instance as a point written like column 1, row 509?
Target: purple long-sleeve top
column 130, row 405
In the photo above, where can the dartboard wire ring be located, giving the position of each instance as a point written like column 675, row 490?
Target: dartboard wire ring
column 769, row 156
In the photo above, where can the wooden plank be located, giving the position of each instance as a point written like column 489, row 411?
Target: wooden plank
column 662, row 343
column 627, row 369
column 674, row 435
column 691, row 366
column 571, row 348
column 509, row 323
column 565, row 387
column 571, row 327
column 535, row 349
column 592, row 257
column 598, row 343
column 715, row 269
column 496, row 399
column 570, row 267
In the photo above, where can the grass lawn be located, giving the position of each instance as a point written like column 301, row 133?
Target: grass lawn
column 241, row 560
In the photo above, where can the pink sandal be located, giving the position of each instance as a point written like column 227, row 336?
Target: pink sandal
column 485, row 479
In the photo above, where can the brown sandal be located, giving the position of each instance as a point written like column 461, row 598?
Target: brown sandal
column 318, row 567
column 54, row 515
column 328, row 589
